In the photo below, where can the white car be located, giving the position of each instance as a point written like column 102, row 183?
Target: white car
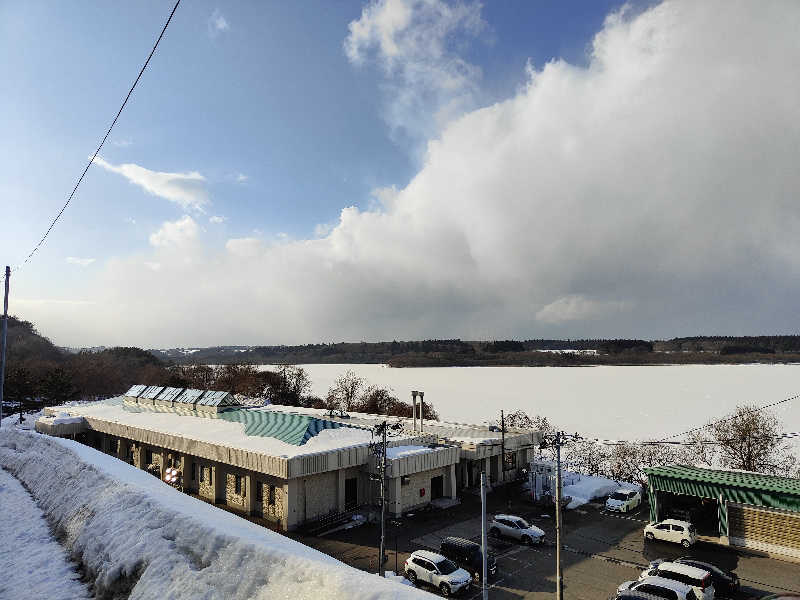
column 624, row 500
column 698, row 579
column 517, row 528
column 672, row 530
column 661, row 587
column 436, row 570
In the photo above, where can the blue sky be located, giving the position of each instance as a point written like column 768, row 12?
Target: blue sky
column 277, row 116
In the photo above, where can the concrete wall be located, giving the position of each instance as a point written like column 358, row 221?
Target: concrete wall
column 410, row 497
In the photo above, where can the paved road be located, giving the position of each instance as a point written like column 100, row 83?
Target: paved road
column 601, row 550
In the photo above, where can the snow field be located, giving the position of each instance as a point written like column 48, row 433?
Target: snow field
column 33, row 564
column 133, row 533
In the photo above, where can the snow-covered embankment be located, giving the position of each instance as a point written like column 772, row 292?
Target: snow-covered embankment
column 131, row 533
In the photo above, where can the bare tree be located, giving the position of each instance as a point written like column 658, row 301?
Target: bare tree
column 750, row 440
column 345, row 391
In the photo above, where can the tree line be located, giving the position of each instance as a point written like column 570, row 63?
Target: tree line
column 747, row 440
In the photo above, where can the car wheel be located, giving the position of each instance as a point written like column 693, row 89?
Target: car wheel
column 526, row 539
column 685, row 543
column 445, row 589
column 412, row 577
column 494, row 532
column 649, row 535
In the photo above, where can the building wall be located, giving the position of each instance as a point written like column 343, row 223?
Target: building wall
column 410, row 493
column 317, row 496
column 232, row 498
column 271, row 512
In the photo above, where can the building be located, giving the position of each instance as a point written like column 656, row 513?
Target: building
column 750, row 510
column 289, row 465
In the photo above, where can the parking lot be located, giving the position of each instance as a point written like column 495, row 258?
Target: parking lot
column 601, row 550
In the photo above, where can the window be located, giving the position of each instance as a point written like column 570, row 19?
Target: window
column 677, row 528
column 663, row 527
column 237, row 484
column 259, row 491
column 148, row 457
column 271, row 495
column 510, row 461
column 194, row 471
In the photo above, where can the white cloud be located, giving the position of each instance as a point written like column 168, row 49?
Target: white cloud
column 122, row 142
column 178, row 233
column 416, row 43
column 576, row 307
column 83, row 262
column 185, row 189
column 216, row 219
column 651, row 193
column 217, row 23
column 248, row 247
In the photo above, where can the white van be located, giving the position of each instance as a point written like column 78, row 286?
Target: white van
column 698, row 579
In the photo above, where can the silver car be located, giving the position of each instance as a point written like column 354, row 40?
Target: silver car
column 517, row 528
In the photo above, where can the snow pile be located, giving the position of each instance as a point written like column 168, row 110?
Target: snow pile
column 133, row 534
column 584, row 488
column 401, row 451
column 33, row 563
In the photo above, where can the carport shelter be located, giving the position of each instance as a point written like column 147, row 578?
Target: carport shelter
column 754, row 510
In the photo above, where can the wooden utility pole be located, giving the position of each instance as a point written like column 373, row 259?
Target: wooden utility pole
column 5, row 334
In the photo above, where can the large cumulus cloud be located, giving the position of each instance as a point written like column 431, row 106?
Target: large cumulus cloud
column 651, row 193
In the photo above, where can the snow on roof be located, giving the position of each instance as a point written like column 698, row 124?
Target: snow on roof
column 402, row 451
column 229, row 428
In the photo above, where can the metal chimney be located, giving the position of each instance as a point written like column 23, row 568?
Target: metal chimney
column 421, row 410
column 414, row 408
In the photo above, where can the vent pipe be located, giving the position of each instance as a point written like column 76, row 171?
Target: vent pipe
column 421, row 410
column 414, row 408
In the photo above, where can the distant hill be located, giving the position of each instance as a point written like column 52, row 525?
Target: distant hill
column 533, row 352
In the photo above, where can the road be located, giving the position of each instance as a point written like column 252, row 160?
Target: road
column 601, row 550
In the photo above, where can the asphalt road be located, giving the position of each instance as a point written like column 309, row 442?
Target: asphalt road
column 601, row 550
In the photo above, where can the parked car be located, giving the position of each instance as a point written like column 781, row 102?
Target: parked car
column 635, row 595
column 624, row 500
column 469, row 556
column 429, row 568
column 726, row 583
column 699, row 579
column 517, row 528
column 672, row 530
column 667, row 589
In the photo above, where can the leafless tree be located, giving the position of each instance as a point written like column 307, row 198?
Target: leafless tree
column 345, row 391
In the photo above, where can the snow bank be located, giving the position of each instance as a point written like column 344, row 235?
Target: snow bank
column 32, row 562
column 133, row 533
column 585, row 488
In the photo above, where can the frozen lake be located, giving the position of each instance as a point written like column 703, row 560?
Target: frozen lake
column 607, row 402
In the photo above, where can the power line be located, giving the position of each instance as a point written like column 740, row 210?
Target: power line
column 105, row 137
column 751, row 411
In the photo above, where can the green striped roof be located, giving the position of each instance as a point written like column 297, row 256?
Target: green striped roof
column 738, row 479
column 287, row 427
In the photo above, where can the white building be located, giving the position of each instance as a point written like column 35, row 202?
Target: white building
column 291, row 466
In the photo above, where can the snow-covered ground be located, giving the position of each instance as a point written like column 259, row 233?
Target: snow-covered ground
column 616, row 402
column 32, row 563
column 585, row 488
column 130, row 531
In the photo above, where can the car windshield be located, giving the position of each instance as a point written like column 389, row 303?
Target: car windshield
column 446, row 567
column 619, row 496
column 522, row 524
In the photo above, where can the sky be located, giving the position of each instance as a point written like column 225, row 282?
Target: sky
column 401, row 169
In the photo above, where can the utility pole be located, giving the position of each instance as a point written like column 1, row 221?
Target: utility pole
column 5, row 333
column 559, row 575
column 381, row 569
column 484, row 541
column 503, row 458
